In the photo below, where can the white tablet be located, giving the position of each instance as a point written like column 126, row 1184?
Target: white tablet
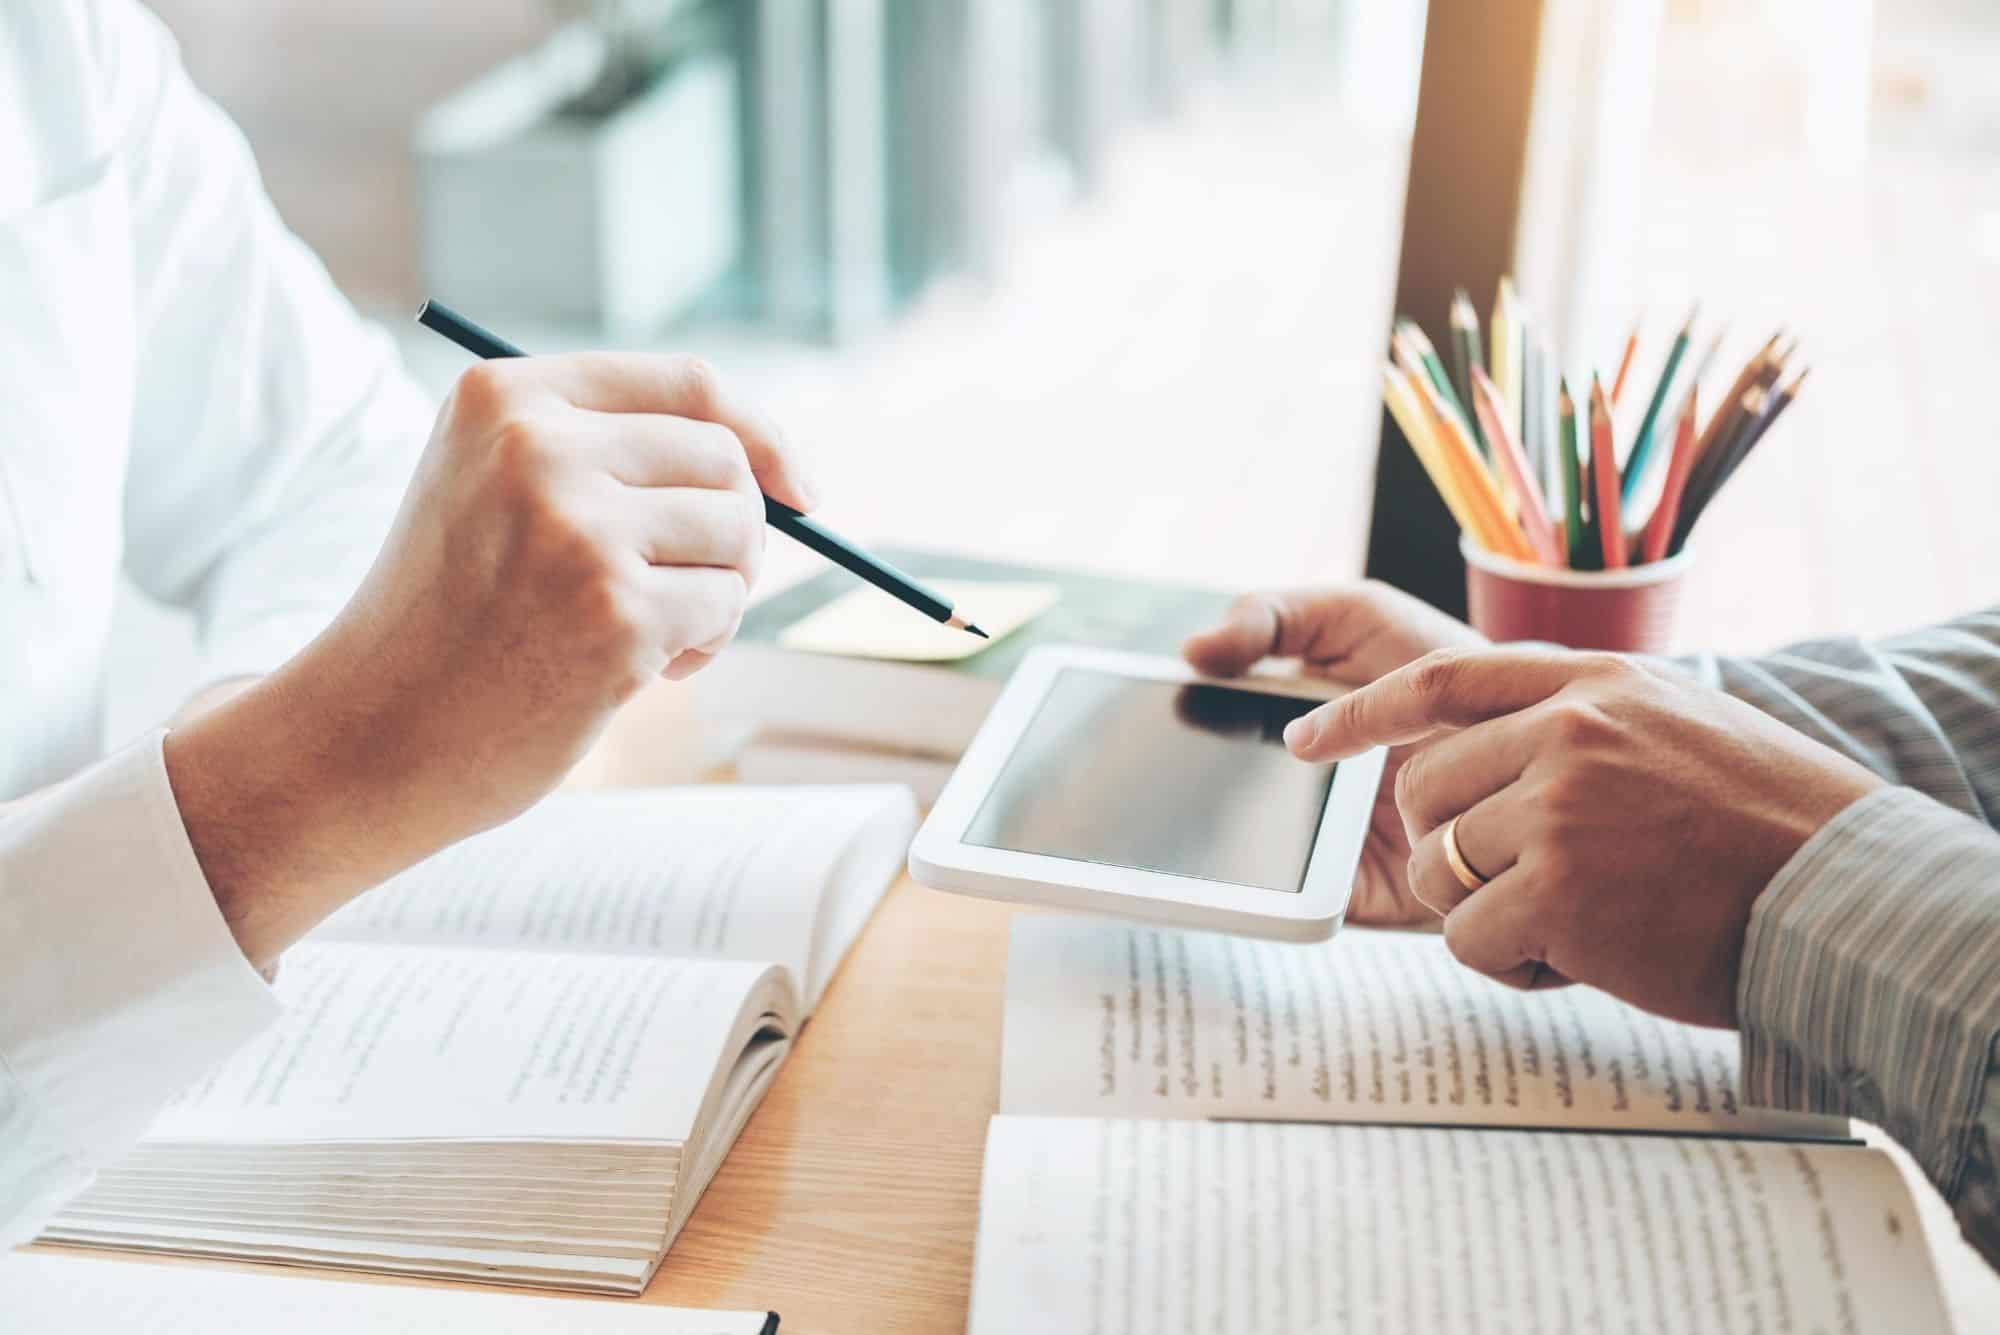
column 1114, row 783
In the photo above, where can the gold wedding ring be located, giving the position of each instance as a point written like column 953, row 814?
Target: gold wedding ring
column 1455, row 855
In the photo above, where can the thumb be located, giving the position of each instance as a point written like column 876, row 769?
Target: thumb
column 1351, row 633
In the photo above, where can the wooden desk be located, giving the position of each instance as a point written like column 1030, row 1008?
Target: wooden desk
column 850, row 1201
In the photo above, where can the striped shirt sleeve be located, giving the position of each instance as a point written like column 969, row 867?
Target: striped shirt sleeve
column 1870, row 983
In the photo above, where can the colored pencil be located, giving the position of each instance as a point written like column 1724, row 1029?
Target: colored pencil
column 1411, row 337
column 1532, row 444
column 1704, row 482
column 1642, row 444
column 1514, row 468
column 1625, row 362
column 1531, row 472
column 1726, row 409
column 1702, row 367
column 1476, row 481
column 1572, row 473
column 1505, row 349
column 1708, row 359
column 1462, row 455
column 1751, row 434
column 1466, row 353
column 1589, row 556
column 1659, row 529
column 1459, row 490
column 1779, row 402
column 1467, row 492
column 1604, row 476
column 1401, row 401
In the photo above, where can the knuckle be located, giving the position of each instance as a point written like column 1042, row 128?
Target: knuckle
column 1559, row 912
column 735, row 597
column 520, row 451
column 1565, row 795
column 751, row 537
column 1613, row 668
column 1460, row 939
column 1547, row 867
column 1437, row 673
column 608, row 614
column 1575, row 723
column 1411, row 781
column 1377, row 596
column 715, row 456
column 710, row 615
column 1343, row 716
column 700, row 385
column 1244, row 604
column 483, row 387
column 736, row 468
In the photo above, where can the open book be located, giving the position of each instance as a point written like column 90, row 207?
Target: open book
column 43, row 1294
column 523, row 1060
column 1502, row 1160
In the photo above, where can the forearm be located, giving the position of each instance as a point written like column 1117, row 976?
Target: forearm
column 1870, row 986
column 1921, row 710
column 295, row 800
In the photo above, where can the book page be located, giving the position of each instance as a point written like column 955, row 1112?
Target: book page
column 709, row 870
column 1108, row 1019
column 415, row 1042
column 1098, row 1226
column 44, row 1294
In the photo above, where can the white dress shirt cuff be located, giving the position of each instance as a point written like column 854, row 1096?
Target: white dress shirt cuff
column 121, row 983
column 1867, row 985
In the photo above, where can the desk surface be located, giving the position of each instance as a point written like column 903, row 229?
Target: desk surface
column 850, row 1201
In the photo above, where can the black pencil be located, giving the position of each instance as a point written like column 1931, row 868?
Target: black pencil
column 484, row 343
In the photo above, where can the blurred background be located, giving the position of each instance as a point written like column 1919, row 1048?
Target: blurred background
column 1106, row 283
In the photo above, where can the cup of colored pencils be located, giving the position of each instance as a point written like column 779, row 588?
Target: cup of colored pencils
column 1575, row 510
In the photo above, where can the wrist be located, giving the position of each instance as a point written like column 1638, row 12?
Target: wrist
column 280, row 810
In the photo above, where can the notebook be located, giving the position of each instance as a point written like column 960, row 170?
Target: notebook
column 46, row 1294
column 524, row 1059
column 1364, row 1135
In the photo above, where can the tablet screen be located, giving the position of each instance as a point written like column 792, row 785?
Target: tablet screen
column 1188, row 780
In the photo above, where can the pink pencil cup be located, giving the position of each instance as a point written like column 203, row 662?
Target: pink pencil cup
column 1629, row 610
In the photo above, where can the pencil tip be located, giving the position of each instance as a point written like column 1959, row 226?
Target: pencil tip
column 976, row 631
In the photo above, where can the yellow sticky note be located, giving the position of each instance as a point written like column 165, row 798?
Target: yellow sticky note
column 867, row 623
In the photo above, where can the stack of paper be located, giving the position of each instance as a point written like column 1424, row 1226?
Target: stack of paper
column 534, row 1119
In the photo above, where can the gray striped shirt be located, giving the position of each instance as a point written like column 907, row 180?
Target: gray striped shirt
column 1871, row 971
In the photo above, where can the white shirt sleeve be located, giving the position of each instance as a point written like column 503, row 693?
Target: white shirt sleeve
column 120, row 984
column 273, row 430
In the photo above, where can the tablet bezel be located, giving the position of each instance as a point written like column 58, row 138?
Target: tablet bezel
column 941, row 859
